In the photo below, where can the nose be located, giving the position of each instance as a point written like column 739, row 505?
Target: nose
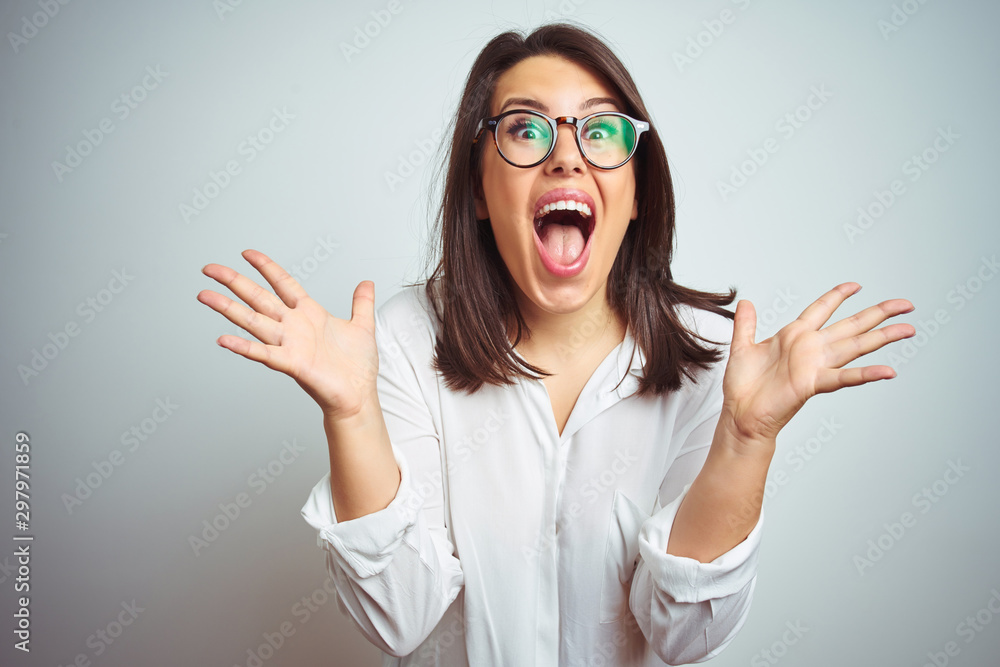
column 566, row 153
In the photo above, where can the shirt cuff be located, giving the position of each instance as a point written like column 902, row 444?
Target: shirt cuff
column 364, row 545
column 689, row 580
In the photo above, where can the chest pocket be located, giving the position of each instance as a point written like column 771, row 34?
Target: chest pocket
column 620, row 557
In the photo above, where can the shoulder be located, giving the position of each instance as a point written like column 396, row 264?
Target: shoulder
column 707, row 324
column 406, row 319
column 404, row 306
column 406, row 337
column 713, row 331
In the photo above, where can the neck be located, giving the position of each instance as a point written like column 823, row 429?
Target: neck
column 567, row 335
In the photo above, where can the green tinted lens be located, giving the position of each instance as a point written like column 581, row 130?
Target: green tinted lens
column 608, row 140
column 524, row 138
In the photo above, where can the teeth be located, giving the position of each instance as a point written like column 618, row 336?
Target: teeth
column 565, row 205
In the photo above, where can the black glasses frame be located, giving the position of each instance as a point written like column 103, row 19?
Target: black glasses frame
column 492, row 123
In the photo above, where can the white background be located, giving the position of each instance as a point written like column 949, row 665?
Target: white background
column 780, row 238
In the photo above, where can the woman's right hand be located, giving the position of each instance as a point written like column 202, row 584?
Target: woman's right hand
column 334, row 360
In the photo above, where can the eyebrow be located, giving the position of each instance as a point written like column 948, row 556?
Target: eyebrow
column 535, row 104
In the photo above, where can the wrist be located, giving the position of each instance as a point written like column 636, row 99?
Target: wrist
column 366, row 411
column 735, row 441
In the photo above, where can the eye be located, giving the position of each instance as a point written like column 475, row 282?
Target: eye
column 523, row 128
column 600, row 129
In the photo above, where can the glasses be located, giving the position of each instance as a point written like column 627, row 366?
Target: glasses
column 526, row 138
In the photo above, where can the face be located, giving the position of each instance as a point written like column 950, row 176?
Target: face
column 512, row 195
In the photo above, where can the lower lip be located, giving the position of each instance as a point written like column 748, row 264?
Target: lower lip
column 563, row 270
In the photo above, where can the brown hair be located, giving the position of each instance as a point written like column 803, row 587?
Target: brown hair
column 471, row 289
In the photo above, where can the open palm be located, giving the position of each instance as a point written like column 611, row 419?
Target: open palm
column 334, row 360
column 766, row 383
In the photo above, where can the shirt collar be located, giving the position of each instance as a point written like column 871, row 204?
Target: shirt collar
column 625, row 362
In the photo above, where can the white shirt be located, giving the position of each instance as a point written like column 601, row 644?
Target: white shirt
column 508, row 544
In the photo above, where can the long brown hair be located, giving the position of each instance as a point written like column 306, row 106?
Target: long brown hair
column 470, row 288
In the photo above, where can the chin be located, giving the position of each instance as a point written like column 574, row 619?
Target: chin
column 562, row 298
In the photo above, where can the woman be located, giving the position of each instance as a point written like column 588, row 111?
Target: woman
column 561, row 461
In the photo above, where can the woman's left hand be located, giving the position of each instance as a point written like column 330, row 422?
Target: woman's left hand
column 766, row 383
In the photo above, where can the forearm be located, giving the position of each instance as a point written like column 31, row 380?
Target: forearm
column 364, row 476
column 724, row 501
column 394, row 570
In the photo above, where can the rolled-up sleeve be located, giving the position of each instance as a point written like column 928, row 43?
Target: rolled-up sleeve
column 394, row 569
column 690, row 611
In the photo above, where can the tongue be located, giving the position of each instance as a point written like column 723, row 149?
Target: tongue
column 564, row 243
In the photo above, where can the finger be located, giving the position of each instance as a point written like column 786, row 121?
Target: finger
column 250, row 292
column 845, row 351
column 819, row 311
column 287, row 288
column 260, row 326
column 744, row 325
column 830, row 379
column 867, row 319
column 269, row 355
column 363, row 306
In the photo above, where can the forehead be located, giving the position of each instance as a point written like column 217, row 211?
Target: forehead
column 561, row 86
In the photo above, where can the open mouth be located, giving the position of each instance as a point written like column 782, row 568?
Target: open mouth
column 563, row 228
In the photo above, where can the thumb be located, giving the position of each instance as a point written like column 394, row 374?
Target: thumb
column 744, row 324
column 363, row 306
